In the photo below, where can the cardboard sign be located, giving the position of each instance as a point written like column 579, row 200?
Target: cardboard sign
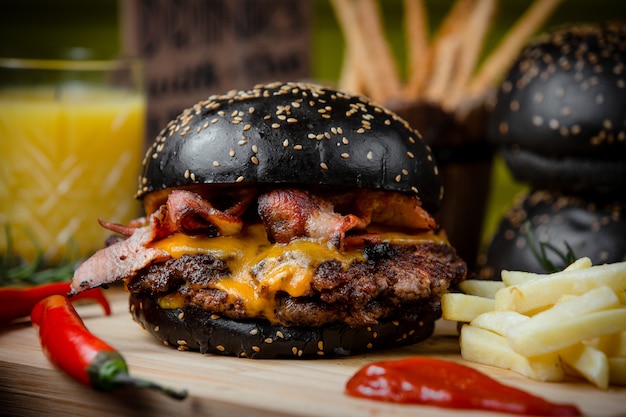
column 195, row 48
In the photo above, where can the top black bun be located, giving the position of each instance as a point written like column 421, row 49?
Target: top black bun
column 292, row 133
column 561, row 112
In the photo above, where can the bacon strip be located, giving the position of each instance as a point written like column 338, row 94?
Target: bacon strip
column 291, row 213
column 118, row 261
column 184, row 212
column 193, row 215
column 392, row 209
column 117, row 228
column 287, row 214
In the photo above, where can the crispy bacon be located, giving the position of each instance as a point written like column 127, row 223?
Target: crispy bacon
column 119, row 260
column 292, row 213
column 193, row 215
column 118, row 228
column 392, row 209
column 184, row 212
column 361, row 240
column 287, row 214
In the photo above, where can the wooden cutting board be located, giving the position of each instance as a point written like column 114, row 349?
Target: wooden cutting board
column 224, row 386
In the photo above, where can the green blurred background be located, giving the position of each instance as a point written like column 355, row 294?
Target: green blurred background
column 29, row 27
column 40, row 28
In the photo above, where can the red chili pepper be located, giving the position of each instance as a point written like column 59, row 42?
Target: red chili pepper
column 421, row 380
column 16, row 303
column 69, row 345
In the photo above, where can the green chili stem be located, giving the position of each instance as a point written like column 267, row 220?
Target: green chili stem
column 124, row 379
column 108, row 371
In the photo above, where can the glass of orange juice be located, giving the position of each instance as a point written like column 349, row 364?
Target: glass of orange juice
column 71, row 144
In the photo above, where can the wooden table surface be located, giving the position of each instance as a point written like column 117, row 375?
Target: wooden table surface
column 224, row 386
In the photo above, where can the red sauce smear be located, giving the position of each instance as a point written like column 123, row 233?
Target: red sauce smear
column 421, row 380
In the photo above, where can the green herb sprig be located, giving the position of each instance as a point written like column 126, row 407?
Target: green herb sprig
column 540, row 250
column 16, row 271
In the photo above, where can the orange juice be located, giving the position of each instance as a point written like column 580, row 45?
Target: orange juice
column 65, row 161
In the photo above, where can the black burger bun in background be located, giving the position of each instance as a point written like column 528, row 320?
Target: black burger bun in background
column 315, row 139
column 563, row 224
column 560, row 114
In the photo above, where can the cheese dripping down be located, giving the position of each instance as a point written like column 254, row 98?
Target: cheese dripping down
column 261, row 269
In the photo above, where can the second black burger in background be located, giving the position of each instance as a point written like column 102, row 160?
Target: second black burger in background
column 545, row 230
column 560, row 124
column 288, row 220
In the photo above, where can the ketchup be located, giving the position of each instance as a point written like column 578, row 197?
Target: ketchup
column 421, row 380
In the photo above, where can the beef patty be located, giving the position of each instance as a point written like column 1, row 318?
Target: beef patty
column 394, row 282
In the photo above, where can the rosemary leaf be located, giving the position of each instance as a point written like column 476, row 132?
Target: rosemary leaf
column 16, row 271
column 540, row 250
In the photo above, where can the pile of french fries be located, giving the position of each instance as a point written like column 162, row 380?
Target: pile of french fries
column 443, row 67
column 547, row 326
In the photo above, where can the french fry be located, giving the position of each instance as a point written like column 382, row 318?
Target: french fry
column 511, row 278
column 473, row 37
column 442, row 68
column 367, row 46
column 601, row 298
column 617, row 370
column 575, row 318
column 498, row 321
column 612, row 345
column 536, row 337
column 485, row 347
column 481, row 288
column 589, row 362
column 565, row 297
column 499, row 61
column 517, row 277
column 350, row 80
column 444, row 50
column 416, row 29
column 381, row 56
column 544, row 290
column 580, row 263
column 619, row 344
column 464, row 308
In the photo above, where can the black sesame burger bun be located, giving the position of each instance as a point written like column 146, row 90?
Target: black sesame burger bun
column 563, row 106
column 291, row 133
column 200, row 330
column 584, row 226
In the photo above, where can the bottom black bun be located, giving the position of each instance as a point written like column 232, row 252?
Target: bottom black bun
column 567, row 173
column 196, row 329
column 545, row 230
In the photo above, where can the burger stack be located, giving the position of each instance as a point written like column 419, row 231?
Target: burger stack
column 560, row 124
column 289, row 220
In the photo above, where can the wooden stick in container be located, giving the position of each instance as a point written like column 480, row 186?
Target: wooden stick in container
column 350, row 78
column 416, row 29
column 473, row 37
column 444, row 50
column 499, row 61
column 442, row 66
column 355, row 54
column 362, row 27
column 380, row 51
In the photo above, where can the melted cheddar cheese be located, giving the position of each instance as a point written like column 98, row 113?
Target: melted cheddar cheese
column 260, row 269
